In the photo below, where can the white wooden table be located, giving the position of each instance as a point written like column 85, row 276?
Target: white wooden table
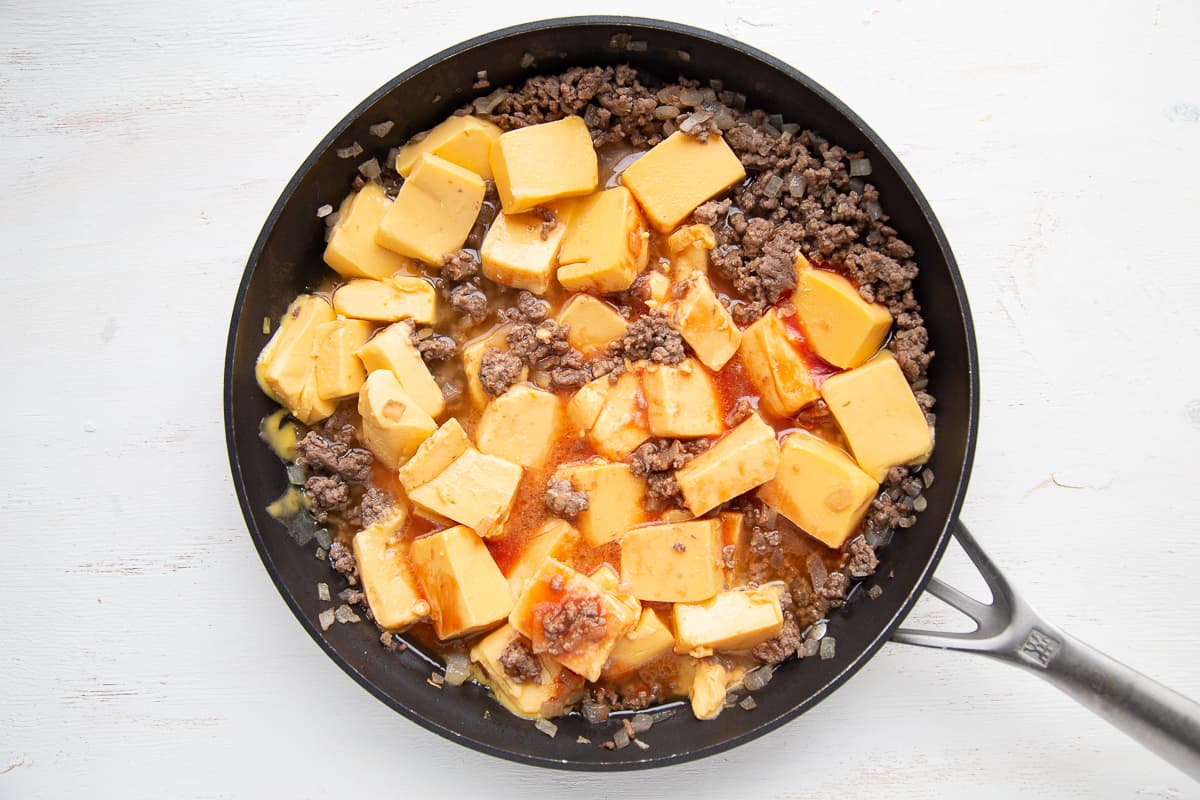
column 145, row 652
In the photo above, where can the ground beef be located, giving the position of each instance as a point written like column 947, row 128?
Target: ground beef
column 652, row 338
column 434, row 346
column 835, row 588
column 499, row 370
column 469, row 299
column 460, row 265
column 572, row 623
column 628, row 698
column 375, row 506
column 544, row 348
column 783, row 646
column 341, row 558
column 657, row 460
column 339, row 426
column 528, row 308
column 742, row 410
column 764, row 540
column 327, row 494
column 520, row 663
column 564, row 500
column 392, row 643
column 863, row 560
column 549, row 220
column 334, row 457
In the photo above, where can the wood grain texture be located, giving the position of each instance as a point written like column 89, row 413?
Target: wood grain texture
column 146, row 653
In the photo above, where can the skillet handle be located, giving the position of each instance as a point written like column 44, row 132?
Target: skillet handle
column 1008, row 629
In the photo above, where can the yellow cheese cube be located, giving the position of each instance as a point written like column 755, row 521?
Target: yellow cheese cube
column 876, row 410
column 521, row 425
column 745, row 457
column 433, row 212
column 392, row 349
column 839, row 325
column 352, row 250
column 681, row 401
column 710, row 682
column 676, row 562
column 339, row 373
column 679, row 174
column 555, row 539
column 539, row 163
column 389, row 300
column 591, row 324
column 515, row 253
column 819, row 488
column 689, row 248
column 706, row 324
column 476, row 490
column 465, row 141
column 737, row 620
column 472, row 356
column 775, row 366
column 465, row 589
column 286, row 367
column 618, row 424
column 606, row 245
column 543, row 697
column 616, row 499
column 394, row 424
column 390, row 587
column 606, row 577
column 570, row 618
column 735, row 538
column 435, row 454
column 585, row 406
column 649, row 639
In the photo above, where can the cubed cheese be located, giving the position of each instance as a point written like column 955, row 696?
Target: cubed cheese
column 516, row 253
column 679, row 174
column 737, row 620
column 709, row 684
column 521, row 425
column 689, row 248
column 394, row 424
column 476, row 490
column 681, row 401
column 472, row 356
column 649, row 639
column 571, row 619
column 819, row 488
column 676, row 562
column 744, row 458
column 286, row 367
column 465, row 589
column 706, row 324
column 388, row 300
column 876, row 410
column 387, row 582
column 616, row 412
column 839, row 325
column 591, row 323
column 555, row 688
column 392, row 349
column 339, row 373
column 606, row 577
column 435, row 454
column 352, row 250
column 616, row 499
column 555, row 539
column 465, row 141
column 606, row 245
column 775, row 366
column 433, row 212
column 539, row 163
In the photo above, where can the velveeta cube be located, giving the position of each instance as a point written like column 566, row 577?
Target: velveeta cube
column 394, row 424
column 285, row 369
column 389, row 300
column 339, row 373
column 681, row 401
column 465, row 589
column 706, row 324
column 606, row 245
column 352, row 250
column 555, row 687
column 677, row 562
column 389, row 585
column 462, row 140
column 476, row 490
column 607, row 579
column 679, row 174
column 689, row 248
column 392, row 349
column 710, row 683
column 521, row 425
column 819, row 488
column 472, row 356
column 616, row 499
column 838, row 324
column 736, row 620
column 877, row 411
column 567, row 616
column 539, row 163
column 776, row 368
column 744, row 458
column 591, row 324
column 555, row 539
column 515, row 253
column 735, row 539
column 433, row 212
column 435, row 454
column 619, row 422
column 649, row 639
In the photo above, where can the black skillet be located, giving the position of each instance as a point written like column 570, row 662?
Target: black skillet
column 287, row 258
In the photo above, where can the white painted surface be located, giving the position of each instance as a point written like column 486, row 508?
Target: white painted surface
column 146, row 653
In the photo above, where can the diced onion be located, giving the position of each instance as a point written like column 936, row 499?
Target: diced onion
column 345, row 613
column 774, row 184
column 381, row 129
column 828, row 648
column 323, row 592
column 547, row 727
column 326, row 618
column 353, row 151
column 860, row 167
column 641, row 723
column 458, row 669
column 748, row 703
column 324, row 211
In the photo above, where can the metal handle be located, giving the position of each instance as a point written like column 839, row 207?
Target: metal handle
column 1010, row 630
